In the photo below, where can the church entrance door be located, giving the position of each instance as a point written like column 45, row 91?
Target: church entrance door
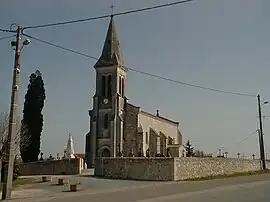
column 105, row 153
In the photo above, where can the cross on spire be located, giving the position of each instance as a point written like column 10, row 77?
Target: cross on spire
column 112, row 7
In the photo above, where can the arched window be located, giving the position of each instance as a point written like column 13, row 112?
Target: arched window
column 103, row 86
column 106, row 121
column 109, row 85
column 123, row 85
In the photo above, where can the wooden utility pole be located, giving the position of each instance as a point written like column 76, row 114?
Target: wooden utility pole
column 8, row 177
column 261, row 142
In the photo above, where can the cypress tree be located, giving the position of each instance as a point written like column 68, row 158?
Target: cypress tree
column 32, row 122
column 189, row 149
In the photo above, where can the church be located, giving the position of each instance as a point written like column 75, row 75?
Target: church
column 117, row 127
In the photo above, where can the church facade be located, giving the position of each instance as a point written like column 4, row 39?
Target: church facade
column 118, row 128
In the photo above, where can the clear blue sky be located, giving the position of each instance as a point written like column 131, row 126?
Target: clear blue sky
column 215, row 43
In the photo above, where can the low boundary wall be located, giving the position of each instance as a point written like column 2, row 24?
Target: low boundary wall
column 171, row 169
column 53, row 167
column 160, row 169
column 187, row 168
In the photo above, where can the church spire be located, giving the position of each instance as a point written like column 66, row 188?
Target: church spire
column 111, row 53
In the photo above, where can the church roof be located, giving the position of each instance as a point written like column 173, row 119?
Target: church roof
column 111, row 53
column 157, row 117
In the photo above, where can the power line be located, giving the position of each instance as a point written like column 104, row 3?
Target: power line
column 237, row 143
column 247, row 137
column 144, row 73
column 7, row 37
column 106, row 16
column 6, row 30
column 60, row 47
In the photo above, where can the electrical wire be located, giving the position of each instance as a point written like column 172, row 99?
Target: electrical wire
column 144, row 73
column 106, row 16
column 60, row 47
column 7, row 37
column 6, row 30
column 237, row 143
column 250, row 135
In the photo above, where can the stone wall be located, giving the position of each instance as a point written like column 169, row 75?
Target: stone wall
column 169, row 169
column 185, row 168
column 136, row 168
column 54, row 167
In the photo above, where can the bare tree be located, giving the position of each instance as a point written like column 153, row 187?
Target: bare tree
column 21, row 142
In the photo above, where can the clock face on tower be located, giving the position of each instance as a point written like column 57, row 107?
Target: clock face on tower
column 105, row 101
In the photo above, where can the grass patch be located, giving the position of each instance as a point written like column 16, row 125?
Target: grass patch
column 21, row 181
column 212, row 177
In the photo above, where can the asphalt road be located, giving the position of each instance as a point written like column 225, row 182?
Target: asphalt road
column 246, row 189
column 87, row 185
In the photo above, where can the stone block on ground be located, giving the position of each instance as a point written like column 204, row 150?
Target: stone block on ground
column 46, row 178
column 63, row 181
column 74, row 187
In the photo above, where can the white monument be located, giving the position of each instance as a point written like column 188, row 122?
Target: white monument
column 70, row 148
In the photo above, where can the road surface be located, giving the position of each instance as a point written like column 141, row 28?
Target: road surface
column 238, row 189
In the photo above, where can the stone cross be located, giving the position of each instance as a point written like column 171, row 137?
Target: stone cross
column 238, row 154
column 226, row 154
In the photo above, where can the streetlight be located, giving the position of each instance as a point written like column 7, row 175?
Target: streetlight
column 261, row 132
column 24, row 43
column 17, row 46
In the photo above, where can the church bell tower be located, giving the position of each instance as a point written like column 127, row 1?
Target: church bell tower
column 105, row 138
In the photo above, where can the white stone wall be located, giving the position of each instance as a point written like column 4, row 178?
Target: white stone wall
column 190, row 167
column 172, row 169
column 136, row 168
